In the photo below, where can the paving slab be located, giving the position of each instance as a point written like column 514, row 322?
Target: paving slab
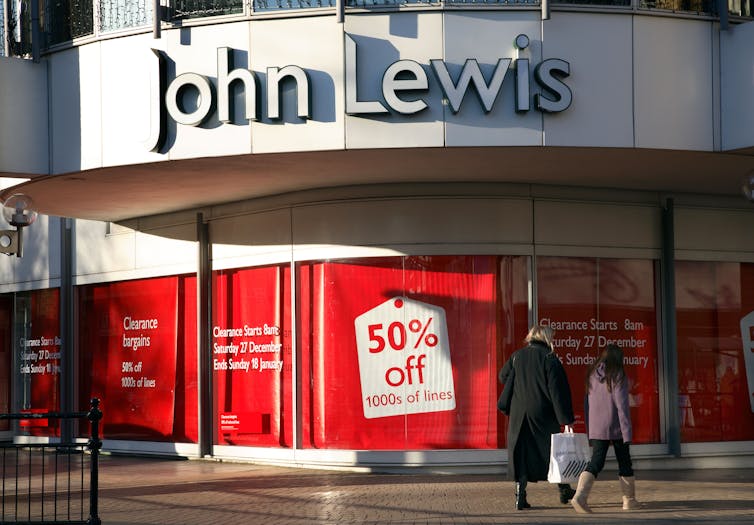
column 166, row 492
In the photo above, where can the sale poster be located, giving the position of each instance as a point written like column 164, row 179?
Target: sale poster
column 251, row 356
column 404, row 359
column 129, row 331
column 37, row 346
column 403, row 352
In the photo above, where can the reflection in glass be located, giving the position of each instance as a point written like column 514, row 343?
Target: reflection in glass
column 715, row 320
column 591, row 302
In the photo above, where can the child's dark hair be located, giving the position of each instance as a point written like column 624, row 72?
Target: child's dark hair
column 612, row 356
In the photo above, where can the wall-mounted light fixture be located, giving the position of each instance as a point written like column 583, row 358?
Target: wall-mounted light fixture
column 18, row 211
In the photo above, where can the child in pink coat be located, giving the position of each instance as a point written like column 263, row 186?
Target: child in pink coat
column 608, row 421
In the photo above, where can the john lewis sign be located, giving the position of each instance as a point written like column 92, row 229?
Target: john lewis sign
column 405, row 86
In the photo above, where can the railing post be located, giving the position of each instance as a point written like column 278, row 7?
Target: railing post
column 94, row 445
column 156, row 19
column 545, row 9
column 722, row 8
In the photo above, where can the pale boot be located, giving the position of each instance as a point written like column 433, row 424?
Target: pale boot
column 579, row 501
column 628, row 487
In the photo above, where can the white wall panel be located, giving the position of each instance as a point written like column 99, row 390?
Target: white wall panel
column 76, row 109
column 737, row 86
column 381, row 40
column 599, row 51
column 714, row 230
column 604, row 225
column 488, row 36
column 90, row 89
column 97, row 252
column 23, row 118
column 128, row 71
column 65, row 110
column 316, row 45
column 672, row 83
column 255, row 229
column 431, row 220
column 176, row 256
column 40, row 265
column 125, row 254
column 257, row 238
column 194, row 50
column 99, row 93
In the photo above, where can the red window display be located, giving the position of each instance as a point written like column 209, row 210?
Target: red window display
column 251, row 356
column 403, row 352
column 37, row 345
column 138, row 355
column 6, row 356
column 715, row 333
column 592, row 302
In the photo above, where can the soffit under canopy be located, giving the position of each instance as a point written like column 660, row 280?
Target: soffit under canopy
column 141, row 190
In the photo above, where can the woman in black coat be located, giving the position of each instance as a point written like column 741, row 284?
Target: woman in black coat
column 541, row 403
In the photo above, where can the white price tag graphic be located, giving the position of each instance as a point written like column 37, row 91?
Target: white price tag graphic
column 747, row 336
column 404, row 359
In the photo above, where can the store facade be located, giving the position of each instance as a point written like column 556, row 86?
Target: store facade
column 311, row 242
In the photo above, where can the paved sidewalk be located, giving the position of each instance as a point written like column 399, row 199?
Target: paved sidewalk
column 164, row 492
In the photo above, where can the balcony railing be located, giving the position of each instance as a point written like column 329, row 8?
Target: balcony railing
column 64, row 20
column 684, row 6
column 68, row 19
column 124, row 14
column 184, row 9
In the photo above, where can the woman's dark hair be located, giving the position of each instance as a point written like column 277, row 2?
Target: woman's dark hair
column 612, row 356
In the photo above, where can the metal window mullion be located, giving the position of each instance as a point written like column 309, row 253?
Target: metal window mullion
column 81, row 485
column 42, row 492
column 15, row 506
column 2, row 514
column 68, row 486
column 28, row 494
column 55, row 494
column 204, row 328
column 670, row 354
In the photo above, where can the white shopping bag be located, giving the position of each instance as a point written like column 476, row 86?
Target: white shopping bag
column 569, row 456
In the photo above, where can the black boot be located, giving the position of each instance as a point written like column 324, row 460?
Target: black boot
column 521, row 502
column 566, row 493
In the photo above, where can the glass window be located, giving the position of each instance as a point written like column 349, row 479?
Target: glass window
column 592, row 302
column 715, row 325
column 403, row 352
column 138, row 355
column 6, row 356
column 251, row 356
column 37, row 347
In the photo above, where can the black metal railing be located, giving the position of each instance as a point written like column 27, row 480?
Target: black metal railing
column 51, row 483
column 68, row 19
column 185, row 9
column 60, row 21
